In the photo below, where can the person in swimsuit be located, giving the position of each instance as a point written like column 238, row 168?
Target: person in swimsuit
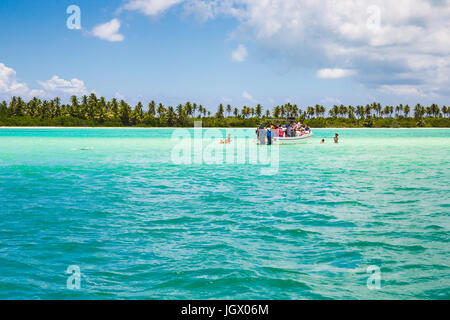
column 336, row 138
column 227, row 140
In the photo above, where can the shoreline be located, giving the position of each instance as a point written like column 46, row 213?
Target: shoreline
column 159, row 128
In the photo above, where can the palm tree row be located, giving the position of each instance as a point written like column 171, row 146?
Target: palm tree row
column 100, row 111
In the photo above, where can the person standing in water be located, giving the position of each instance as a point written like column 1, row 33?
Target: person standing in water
column 269, row 136
column 322, row 141
column 336, row 138
column 262, row 135
column 227, row 140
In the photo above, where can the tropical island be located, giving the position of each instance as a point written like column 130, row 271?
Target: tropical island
column 91, row 111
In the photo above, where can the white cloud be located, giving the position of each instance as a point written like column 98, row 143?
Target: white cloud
column 57, row 85
column 9, row 86
column 247, row 96
column 330, row 100
column 150, row 7
column 403, row 90
column 54, row 87
column 108, row 31
column 334, row 73
column 383, row 41
column 239, row 54
column 206, row 10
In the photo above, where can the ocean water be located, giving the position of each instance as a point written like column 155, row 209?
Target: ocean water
column 139, row 224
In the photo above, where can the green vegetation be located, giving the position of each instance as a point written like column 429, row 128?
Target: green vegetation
column 93, row 111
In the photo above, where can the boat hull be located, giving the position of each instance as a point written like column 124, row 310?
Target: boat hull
column 292, row 140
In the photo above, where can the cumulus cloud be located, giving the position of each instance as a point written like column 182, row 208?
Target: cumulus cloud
column 239, row 54
column 334, row 73
column 54, row 87
column 150, row 7
column 403, row 90
column 108, row 31
column 9, row 86
column 57, row 85
column 386, row 43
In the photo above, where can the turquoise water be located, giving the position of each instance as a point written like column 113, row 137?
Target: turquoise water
column 139, row 226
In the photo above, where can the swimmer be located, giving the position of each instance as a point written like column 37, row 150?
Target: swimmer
column 322, row 141
column 227, row 140
column 336, row 138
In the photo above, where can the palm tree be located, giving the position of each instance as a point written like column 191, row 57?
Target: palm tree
column 368, row 110
column 334, row 111
column 343, row 110
column 317, row 110
column 151, row 109
column 351, row 112
column 258, row 111
column 229, row 109
column 386, row 110
column 397, row 110
column 406, row 110
column 295, row 111
column 219, row 113
column 3, row 109
column 194, row 109
column 91, row 106
column 276, row 112
column 419, row 111
column 377, row 107
column 445, row 111
column 246, row 111
column 57, row 107
column 435, row 110
column 161, row 110
column 125, row 112
column 101, row 110
column 32, row 107
column 188, row 109
column 180, row 113
column 170, row 116
column 115, row 109
column 360, row 111
column 138, row 114
column 18, row 106
column 310, row 112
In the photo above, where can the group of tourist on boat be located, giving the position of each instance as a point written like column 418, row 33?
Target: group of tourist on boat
column 265, row 134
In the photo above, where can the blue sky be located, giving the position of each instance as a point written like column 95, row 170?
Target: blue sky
column 240, row 52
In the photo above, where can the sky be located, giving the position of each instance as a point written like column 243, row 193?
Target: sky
column 238, row 52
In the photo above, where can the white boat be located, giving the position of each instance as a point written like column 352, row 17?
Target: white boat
column 292, row 140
